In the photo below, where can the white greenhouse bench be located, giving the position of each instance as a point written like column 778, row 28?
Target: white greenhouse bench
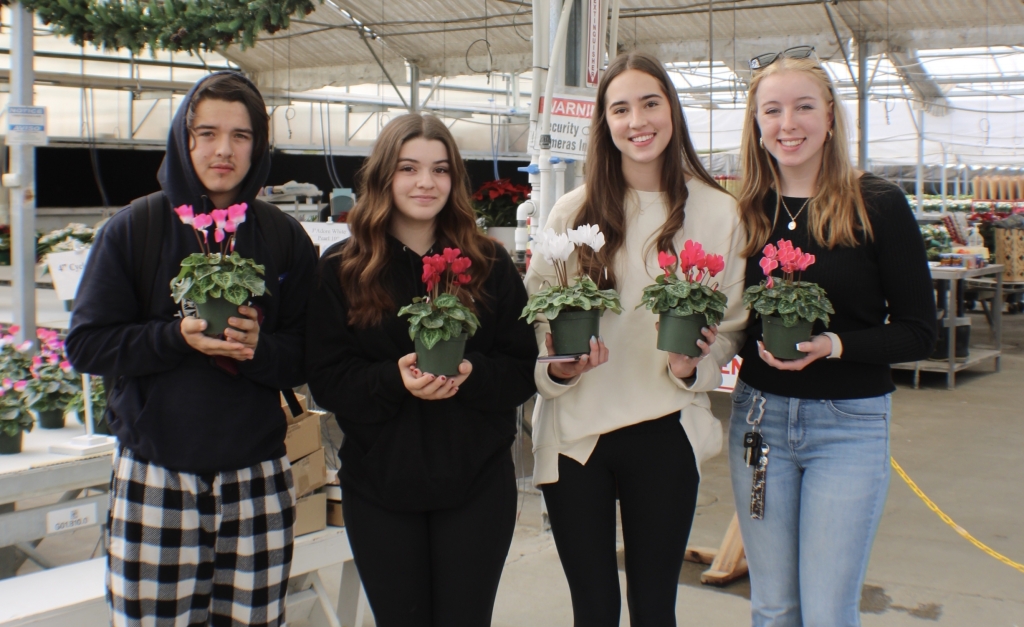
column 75, row 594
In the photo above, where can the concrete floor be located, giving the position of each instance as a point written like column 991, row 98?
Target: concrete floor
column 962, row 447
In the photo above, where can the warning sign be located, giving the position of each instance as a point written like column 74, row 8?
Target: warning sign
column 570, row 126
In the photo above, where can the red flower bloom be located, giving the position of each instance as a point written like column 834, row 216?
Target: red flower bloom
column 715, row 264
column 461, row 264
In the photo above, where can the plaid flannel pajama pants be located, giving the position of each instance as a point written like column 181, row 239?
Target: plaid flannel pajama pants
column 188, row 549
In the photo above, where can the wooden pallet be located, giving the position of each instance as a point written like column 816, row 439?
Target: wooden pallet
column 728, row 562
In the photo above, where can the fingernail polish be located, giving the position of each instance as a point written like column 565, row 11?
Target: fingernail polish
column 593, row 338
column 443, row 378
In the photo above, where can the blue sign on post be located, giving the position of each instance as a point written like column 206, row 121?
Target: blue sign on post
column 26, row 126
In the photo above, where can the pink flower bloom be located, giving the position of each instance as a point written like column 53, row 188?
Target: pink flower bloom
column 769, row 251
column 461, row 264
column 218, row 235
column 665, row 261
column 185, row 214
column 230, row 227
column 771, row 282
column 767, row 265
column 451, row 254
column 805, row 261
column 19, row 386
column 13, row 328
column 462, row 279
column 24, row 346
column 715, row 264
column 220, row 216
column 2, row 392
column 202, row 221
column 236, row 213
column 692, row 256
column 65, row 366
column 37, row 360
column 8, row 383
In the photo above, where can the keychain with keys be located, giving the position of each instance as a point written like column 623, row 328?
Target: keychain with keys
column 752, row 439
column 759, row 484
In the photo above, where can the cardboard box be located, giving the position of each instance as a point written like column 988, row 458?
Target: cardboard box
column 288, row 412
column 309, row 473
column 310, row 514
column 335, row 515
column 302, row 438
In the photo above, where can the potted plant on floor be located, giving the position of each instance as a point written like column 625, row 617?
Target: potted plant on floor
column 685, row 305
column 573, row 311
column 788, row 307
column 219, row 280
column 440, row 323
column 15, row 360
column 15, row 417
column 53, row 383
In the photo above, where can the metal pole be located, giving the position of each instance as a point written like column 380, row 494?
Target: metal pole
column 919, row 187
column 23, row 194
column 613, row 32
column 945, row 170
column 414, row 88
column 711, row 84
column 862, row 104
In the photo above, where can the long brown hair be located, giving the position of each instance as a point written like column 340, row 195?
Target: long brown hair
column 606, row 185
column 836, row 214
column 364, row 258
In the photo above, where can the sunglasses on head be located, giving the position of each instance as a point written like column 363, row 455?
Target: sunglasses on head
column 762, row 61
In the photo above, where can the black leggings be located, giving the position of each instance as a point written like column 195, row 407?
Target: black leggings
column 438, row 568
column 651, row 468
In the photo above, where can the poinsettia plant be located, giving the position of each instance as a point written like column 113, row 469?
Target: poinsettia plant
column 496, row 201
column 788, row 298
column 53, row 383
column 694, row 293
column 440, row 315
column 217, row 272
column 582, row 294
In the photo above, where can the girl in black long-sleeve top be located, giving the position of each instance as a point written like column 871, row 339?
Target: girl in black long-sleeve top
column 427, row 476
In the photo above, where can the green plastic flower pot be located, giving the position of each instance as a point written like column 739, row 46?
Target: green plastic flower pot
column 443, row 358
column 571, row 331
column 781, row 341
column 679, row 334
column 10, row 444
column 216, row 312
column 51, row 419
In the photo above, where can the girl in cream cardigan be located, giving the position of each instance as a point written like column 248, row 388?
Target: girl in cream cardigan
column 628, row 421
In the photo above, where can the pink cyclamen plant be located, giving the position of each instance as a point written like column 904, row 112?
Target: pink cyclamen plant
column 224, row 221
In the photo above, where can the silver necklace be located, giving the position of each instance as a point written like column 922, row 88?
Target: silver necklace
column 792, row 218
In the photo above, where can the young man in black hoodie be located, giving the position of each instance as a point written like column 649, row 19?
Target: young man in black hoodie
column 202, row 501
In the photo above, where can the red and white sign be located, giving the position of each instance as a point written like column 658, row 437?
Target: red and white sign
column 729, row 375
column 570, row 126
column 594, row 43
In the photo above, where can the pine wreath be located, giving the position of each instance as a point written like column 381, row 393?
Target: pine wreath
column 176, row 25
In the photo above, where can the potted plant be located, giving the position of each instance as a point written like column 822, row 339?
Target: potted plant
column 788, row 307
column 14, row 417
column 440, row 323
column 53, row 383
column 98, row 395
column 220, row 281
column 496, row 203
column 15, row 361
column 685, row 305
column 582, row 302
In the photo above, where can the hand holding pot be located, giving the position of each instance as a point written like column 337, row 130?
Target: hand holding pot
column 567, row 370
column 819, row 346
column 428, row 387
column 244, row 330
column 683, row 366
column 192, row 330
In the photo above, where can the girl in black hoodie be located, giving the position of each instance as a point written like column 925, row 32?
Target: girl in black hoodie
column 427, row 475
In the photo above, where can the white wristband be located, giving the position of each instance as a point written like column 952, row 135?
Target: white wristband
column 837, row 345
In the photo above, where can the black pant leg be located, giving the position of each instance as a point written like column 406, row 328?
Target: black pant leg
column 469, row 545
column 657, row 479
column 581, row 506
column 392, row 553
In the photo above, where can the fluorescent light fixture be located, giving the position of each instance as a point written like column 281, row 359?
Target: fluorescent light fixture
column 367, row 108
column 153, row 95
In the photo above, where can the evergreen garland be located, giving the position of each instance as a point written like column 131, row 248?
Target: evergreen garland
column 175, row 25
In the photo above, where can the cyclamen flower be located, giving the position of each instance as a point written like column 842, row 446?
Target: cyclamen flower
column 220, row 217
column 805, row 261
column 65, row 366
column 692, row 256
column 554, row 247
column 666, row 261
column 202, row 221
column 769, row 251
column 715, row 264
column 19, row 386
column 218, row 235
column 767, row 265
column 185, row 214
column 587, row 234
column 236, row 213
column 461, row 264
column 463, row 279
column 451, row 254
column 7, row 383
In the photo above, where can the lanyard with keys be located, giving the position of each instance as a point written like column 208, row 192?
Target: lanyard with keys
column 755, row 452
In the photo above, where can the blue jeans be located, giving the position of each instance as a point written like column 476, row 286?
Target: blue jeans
column 827, row 479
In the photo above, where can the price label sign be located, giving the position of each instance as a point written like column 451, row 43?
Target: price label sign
column 71, row 518
column 26, row 126
column 326, row 234
column 66, row 269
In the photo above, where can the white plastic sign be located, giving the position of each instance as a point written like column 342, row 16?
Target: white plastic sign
column 570, row 125
column 326, row 234
column 730, row 374
column 26, row 126
column 66, row 269
column 71, row 518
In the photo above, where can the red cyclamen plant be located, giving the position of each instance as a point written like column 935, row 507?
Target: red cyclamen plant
column 694, row 293
column 790, row 298
column 440, row 315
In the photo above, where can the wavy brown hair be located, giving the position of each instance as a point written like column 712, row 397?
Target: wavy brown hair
column 836, row 214
column 365, row 256
column 605, row 202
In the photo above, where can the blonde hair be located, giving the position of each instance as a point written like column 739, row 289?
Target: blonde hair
column 836, row 214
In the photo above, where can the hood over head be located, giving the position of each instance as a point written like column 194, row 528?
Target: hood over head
column 178, row 178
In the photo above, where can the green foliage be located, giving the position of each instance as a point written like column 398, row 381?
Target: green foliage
column 14, row 364
column 581, row 295
column 231, row 277
column 14, row 414
column 176, row 25
column 791, row 301
column 52, row 388
column 70, row 237
column 441, row 319
column 684, row 298
column 936, row 240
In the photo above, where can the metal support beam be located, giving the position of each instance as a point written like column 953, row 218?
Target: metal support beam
column 23, row 193
column 414, row 88
column 862, row 104
column 919, row 185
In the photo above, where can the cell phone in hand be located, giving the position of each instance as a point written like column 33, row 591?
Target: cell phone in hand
column 558, row 359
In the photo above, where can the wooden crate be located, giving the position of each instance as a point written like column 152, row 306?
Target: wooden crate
column 1010, row 253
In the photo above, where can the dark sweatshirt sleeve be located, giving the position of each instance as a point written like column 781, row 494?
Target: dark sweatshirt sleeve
column 907, row 286
column 502, row 378
column 280, row 358
column 342, row 378
column 106, row 337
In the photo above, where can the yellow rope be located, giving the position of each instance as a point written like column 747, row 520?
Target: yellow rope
column 949, row 521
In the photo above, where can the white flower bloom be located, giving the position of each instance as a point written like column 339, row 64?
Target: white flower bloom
column 589, row 234
column 558, row 247
column 597, row 242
